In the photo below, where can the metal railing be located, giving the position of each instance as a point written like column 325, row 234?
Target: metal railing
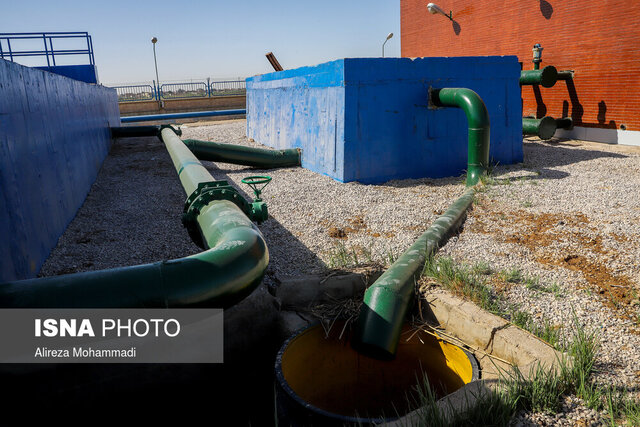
column 197, row 89
column 49, row 51
column 183, row 90
column 135, row 93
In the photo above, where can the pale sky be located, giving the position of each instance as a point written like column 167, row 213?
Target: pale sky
column 199, row 39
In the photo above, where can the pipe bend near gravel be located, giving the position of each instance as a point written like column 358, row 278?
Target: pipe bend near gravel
column 218, row 277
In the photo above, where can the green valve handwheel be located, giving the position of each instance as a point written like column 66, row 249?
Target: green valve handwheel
column 258, row 207
column 254, row 182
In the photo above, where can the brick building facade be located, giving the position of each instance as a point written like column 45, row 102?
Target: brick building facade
column 598, row 39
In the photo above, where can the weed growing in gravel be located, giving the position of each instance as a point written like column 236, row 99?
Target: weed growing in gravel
column 546, row 331
column 471, row 283
column 511, row 276
column 462, row 280
column 341, row 257
column 482, row 268
column 527, row 204
column 556, row 290
column 391, row 256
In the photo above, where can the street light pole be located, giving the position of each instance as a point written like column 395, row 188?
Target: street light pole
column 155, row 61
column 385, row 42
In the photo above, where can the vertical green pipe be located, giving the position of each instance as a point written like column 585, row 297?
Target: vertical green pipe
column 479, row 126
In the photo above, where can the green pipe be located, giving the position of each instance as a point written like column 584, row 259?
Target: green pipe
column 546, row 77
column 479, row 126
column 386, row 302
column 565, row 75
column 564, row 123
column 229, row 270
column 544, row 128
column 242, row 155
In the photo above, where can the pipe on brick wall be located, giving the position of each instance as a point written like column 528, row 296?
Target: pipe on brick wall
column 547, row 77
column 242, row 155
column 566, row 75
column 544, row 128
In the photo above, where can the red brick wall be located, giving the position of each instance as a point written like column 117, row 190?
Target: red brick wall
column 599, row 39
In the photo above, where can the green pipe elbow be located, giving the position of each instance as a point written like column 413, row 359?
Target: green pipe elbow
column 547, row 77
column 387, row 301
column 219, row 277
column 479, row 126
column 543, row 128
column 242, row 155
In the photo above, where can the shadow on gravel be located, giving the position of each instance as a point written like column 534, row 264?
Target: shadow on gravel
column 288, row 256
column 553, row 154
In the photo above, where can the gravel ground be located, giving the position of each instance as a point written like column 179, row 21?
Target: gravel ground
column 569, row 217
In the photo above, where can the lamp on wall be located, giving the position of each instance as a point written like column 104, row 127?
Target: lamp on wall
column 434, row 8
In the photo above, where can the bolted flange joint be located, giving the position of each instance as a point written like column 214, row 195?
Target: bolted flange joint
column 208, row 192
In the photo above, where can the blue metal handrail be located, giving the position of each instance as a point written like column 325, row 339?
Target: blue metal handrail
column 49, row 51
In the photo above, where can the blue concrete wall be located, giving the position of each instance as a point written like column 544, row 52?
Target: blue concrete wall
column 85, row 73
column 301, row 108
column 371, row 119
column 54, row 135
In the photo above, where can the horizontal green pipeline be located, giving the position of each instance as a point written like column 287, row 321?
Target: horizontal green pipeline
column 387, row 301
column 543, row 128
column 230, row 269
column 243, row 155
column 547, row 77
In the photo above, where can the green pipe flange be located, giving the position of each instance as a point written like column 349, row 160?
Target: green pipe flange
column 206, row 193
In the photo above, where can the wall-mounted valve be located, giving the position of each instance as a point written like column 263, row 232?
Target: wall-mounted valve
column 537, row 56
column 257, row 183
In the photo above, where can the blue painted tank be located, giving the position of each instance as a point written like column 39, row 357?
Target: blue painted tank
column 369, row 119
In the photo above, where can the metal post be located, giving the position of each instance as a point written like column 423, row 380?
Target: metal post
column 154, row 40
